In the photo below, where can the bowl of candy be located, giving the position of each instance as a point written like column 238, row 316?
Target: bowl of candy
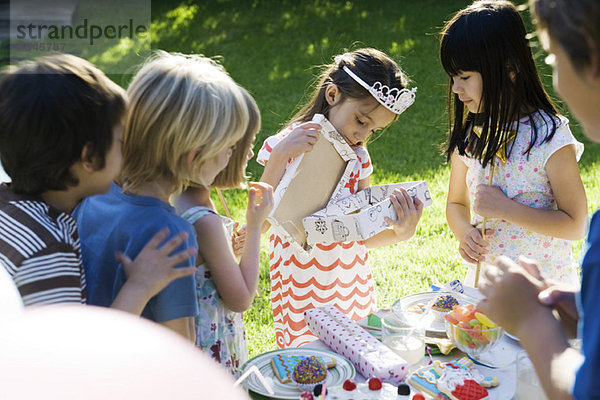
column 471, row 330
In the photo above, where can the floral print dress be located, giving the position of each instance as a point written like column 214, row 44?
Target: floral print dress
column 219, row 331
column 523, row 179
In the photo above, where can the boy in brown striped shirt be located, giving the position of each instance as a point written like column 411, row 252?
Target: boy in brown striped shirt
column 60, row 141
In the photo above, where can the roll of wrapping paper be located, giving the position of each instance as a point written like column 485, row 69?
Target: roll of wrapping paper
column 235, row 233
column 483, row 223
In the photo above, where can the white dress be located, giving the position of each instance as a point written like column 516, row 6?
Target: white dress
column 523, row 179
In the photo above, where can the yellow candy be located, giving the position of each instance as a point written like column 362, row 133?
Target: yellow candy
column 485, row 320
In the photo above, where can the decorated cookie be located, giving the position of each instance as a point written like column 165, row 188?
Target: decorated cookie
column 284, row 364
column 444, row 303
column 489, row 382
column 425, row 380
column 309, row 372
column 458, row 384
column 466, row 364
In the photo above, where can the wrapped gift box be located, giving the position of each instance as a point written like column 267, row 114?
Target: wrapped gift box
column 311, row 181
column 360, row 216
column 344, row 336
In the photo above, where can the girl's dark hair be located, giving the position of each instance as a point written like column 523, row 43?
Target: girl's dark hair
column 50, row 109
column 575, row 24
column 489, row 37
column 370, row 65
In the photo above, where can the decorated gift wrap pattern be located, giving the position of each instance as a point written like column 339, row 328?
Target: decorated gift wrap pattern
column 344, row 336
column 288, row 229
column 359, row 216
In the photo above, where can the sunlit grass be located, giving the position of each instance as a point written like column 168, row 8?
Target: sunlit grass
column 271, row 48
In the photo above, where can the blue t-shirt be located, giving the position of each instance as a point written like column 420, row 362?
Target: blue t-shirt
column 121, row 222
column 589, row 317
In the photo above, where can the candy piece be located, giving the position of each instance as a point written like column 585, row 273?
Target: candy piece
column 306, row 396
column 374, row 384
column 485, row 320
column 403, row 389
column 318, row 389
column 418, row 396
column 349, row 385
column 451, row 318
column 489, row 382
column 362, row 392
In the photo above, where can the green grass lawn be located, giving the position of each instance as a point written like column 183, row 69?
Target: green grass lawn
column 270, row 47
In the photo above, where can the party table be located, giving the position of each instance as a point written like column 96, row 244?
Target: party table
column 498, row 362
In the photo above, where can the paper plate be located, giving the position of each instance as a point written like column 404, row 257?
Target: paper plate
column 434, row 326
column 335, row 376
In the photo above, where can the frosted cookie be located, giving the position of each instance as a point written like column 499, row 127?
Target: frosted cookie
column 443, row 305
column 309, row 372
column 466, row 364
column 283, row 365
column 458, row 384
column 425, row 380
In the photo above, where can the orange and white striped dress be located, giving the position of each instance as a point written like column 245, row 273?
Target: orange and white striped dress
column 337, row 273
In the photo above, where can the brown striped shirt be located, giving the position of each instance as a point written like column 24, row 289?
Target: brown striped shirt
column 39, row 247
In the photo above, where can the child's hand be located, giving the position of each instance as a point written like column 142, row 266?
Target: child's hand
column 300, row 140
column 557, row 295
column 511, row 296
column 490, row 202
column 562, row 299
column 238, row 240
column 152, row 269
column 408, row 212
column 472, row 247
column 260, row 203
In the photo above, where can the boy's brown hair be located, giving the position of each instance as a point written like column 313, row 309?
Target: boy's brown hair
column 574, row 24
column 50, row 109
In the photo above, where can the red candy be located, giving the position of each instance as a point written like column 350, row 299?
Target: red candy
column 418, row 396
column 349, row 385
column 307, row 396
column 375, row 384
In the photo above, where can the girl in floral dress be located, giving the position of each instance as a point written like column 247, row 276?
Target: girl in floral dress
column 224, row 287
column 536, row 203
column 336, row 273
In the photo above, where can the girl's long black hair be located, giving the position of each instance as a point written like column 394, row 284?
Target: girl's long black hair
column 489, row 37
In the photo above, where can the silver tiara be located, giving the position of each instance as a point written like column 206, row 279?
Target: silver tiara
column 395, row 100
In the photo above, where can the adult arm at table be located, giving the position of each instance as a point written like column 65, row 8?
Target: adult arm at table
column 512, row 301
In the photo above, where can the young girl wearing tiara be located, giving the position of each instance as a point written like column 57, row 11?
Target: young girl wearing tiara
column 185, row 114
column 514, row 159
column 337, row 273
column 224, row 287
